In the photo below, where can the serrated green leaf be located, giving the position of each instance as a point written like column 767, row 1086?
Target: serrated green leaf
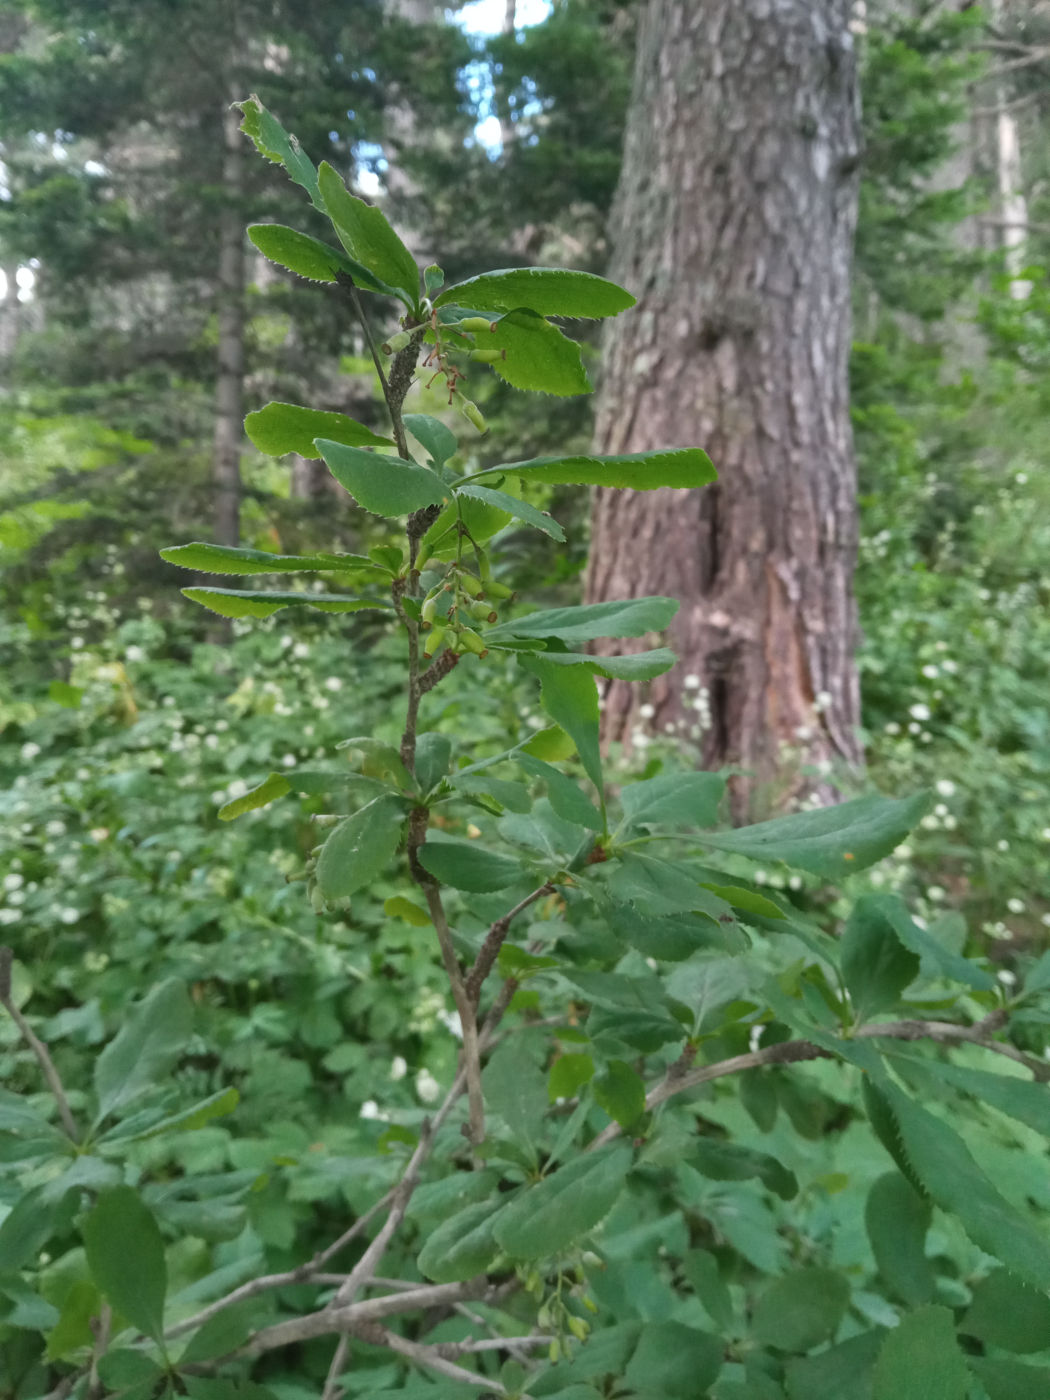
column 675, row 1361
column 842, row 1372
column 570, row 697
column 940, row 1162
column 405, row 909
column 876, row 967
column 437, row 1200
column 568, row 1075
column 72, row 1329
column 674, row 937
column 465, row 866
column 216, row 1105
column 438, row 439
column 235, row 602
column 66, row 695
column 684, row 468
column 563, row 794
column 121, row 1368
column 299, row 253
column 367, row 236
column 922, row 942
column 831, row 841
column 385, row 486
column 277, row 145
column 223, row 1333
column 516, row 1090
column 897, row 1219
column 269, row 790
column 620, row 1091
column 639, row 666
column 729, row 1161
column 1005, row 1312
column 462, row 1246
column 279, row 428
column 519, row 510
column 674, row 799
column 549, row 1216
column 433, row 756
column 551, row 291
column 360, row 847
column 27, row 1227
column 1004, row 1379
column 703, row 1273
column 746, row 901
column 628, row 617
column 125, row 1254
column 921, row 1360
column 1022, row 1099
column 800, row 1310
column 154, row 1035
column 539, row 357
column 223, row 559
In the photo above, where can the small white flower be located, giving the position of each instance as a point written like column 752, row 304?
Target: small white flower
column 640, row 739
column 10, row 916
column 76, row 643
column 1020, row 478
column 1045, row 833
column 931, row 672
column 1007, row 978
column 370, row 1109
column 945, row 787
column 398, row 1068
column 300, row 650
column 1015, row 906
column 68, row 915
column 288, row 761
column 1002, row 845
column 950, row 822
column 893, row 727
column 691, row 682
column 822, row 699
column 1045, row 920
column 134, row 654
column 760, row 877
column 236, row 789
column 920, row 712
column 935, row 894
column 795, row 882
column 211, row 741
column 14, row 882
column 29, row 751
column 535, row 721
column 55, row 828
column 333, row 683
column 647, row 711
column 427, row 1087
column 949, row 667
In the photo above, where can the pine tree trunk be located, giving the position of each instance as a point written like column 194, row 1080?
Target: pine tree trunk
column 229, row 412
column 733, row 226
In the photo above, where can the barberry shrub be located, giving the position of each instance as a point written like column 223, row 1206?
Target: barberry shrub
column 697, row 1144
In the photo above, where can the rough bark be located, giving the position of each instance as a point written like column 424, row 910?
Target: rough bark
column 734, row 226
column 229, row 387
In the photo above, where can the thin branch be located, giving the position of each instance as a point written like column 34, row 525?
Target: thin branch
column 494, row 939
column 332, row 1389
column 465, row 1007
column 1015, row 223
column 37, row 1046
column 430, row 1357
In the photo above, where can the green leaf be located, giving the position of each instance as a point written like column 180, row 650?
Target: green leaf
column 842, row 1372
column 125, row 1254
column 73, row 1328
column 234, row 602
column 746, row 901
column 897, row 1219
column 728, row 1161
column 154, row 1035
column 277, row 145
column 437, row 1200
column 702, row 1270
column 299, row 253
column 539, row 357
column 640, row 666
column 1004, row 1379
column 463, row 1245
column 433, row 756
column 876, row 967
column 383, row 485
column 466, row 866
column 360, row 847
column 570, row 697
column 941, row 1162
column 27, row 1227
column 1004, row 1312
column 285, row 427
column 831, row 841
column 520, row 510
column 800, row 1310
column 684, row 468
column 920, row 941
column 368, row 237
column 1019, row 1098
column 551, row 291
column 379, row 759
column 438, row 439
column 66, row 695
column 620, row 1091
column 225, row 1332
column 222, row 559
column 516, row 1090
column 568, row 1075
column 674, row 1361
column 216, row 1105
column 674, row 937
column 674, row 799
column 122, row 1368
column 397, row 907
column 629, row 617
column 549, row 1216
column 921, row 1360
column 563, row 794
column 269, row 790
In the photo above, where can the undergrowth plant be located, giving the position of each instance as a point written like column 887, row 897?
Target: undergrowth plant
column 677, row 1097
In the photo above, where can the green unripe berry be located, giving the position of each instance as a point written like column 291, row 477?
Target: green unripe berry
column 468, row 640
column 476, row 323
column 473, row 415
column 484, row 612
column 487, row 357
column 397, row 342
column 469, row 584
column 435, row 637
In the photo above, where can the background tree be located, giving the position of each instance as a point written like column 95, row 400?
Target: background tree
column 734, row 224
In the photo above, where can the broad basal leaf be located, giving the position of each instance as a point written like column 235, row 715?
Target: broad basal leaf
column 520, row 510
column 367, row 236
column 234, row 602
column 831, row 841
column 552, row 291
column 539, row 357
column 683, row 467
column 272, row 141
column 629, row 617
column 155, row 1033
column 223, row 559
column 465, row 866
column 921, row 1360
column 299, row 253
column 549, row 1216
column 125, row 1254
column 674, row 799
column 359, row 848
column 285, row 427
column 384, row 485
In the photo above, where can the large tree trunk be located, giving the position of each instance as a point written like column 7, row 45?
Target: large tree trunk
column 229, row 387
column 733, row 226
